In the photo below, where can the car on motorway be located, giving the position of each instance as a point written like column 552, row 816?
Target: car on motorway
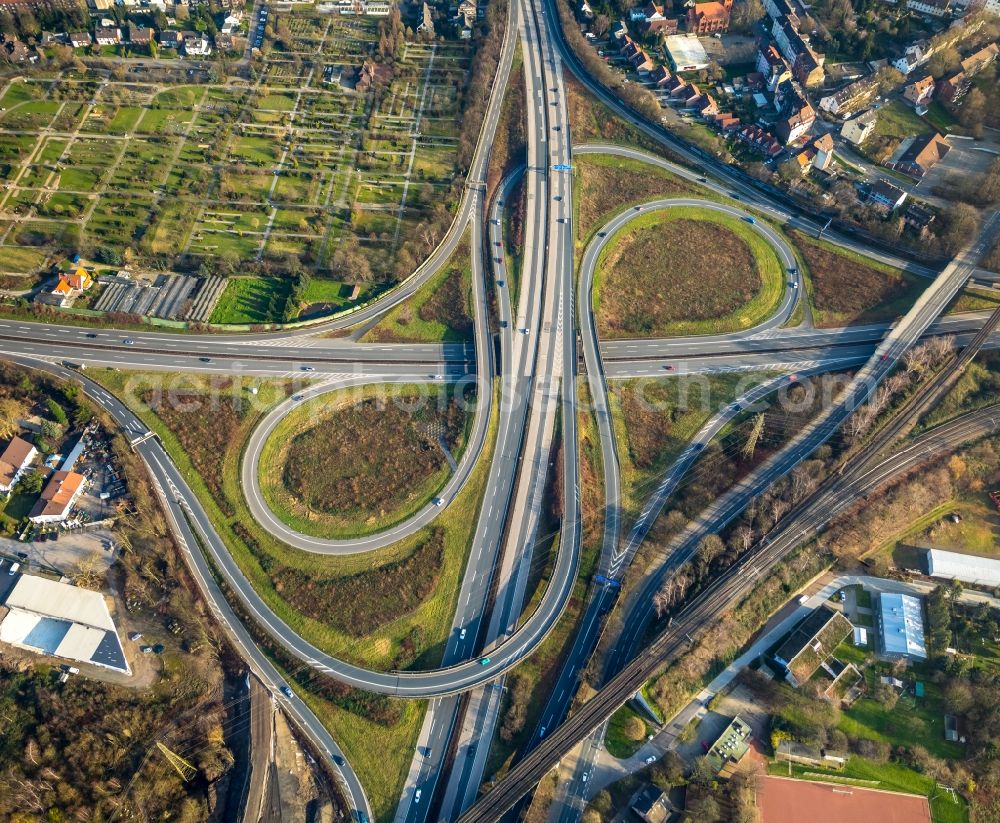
column 308, row 368
column 702, row 180
column 497, row 243
column 523, row 330
column 668, row 367
column 794, row 285
column 497, row 260
column 128, row 341
column 557, row 128
column 638, row 208
column 461, row 634
column 586, row 777
column 13, row 568
column 503, row 324
column 737, row 407
column 296, row 397
column 484, row 661
column 205, row 359
column 541, row 732
column 287, row 692
column 417, row 795
column 500, row 283
column 560, row 219
column 748, row 219
column 558, row 198
column 338, row 760
column 91, row 335
column 602, row 234
column 438, row 501
column 793, row 270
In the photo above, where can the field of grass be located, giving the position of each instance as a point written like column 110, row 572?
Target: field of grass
column 616, row 741
column 898, row 120
column 358, row 461
column 846, row 288
column 439, row 312
column 685, row 271
column 973, row 299
column 20, row 259
column 252, row 300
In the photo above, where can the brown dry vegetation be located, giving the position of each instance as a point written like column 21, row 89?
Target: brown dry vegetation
column 509, row 147
column 361, row 603
column 845, row 289
column 206, row 437
column 368, row 458
column 655, row 276
column 992, row 260
column 608, row 184
column 593, row 122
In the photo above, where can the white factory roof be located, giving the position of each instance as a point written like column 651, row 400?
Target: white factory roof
column 62, row 620
column 902, row 625
column 686, row 53
column 54, row 599
column 965, row 567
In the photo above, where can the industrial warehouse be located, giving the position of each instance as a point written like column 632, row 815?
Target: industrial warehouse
column 49, row 617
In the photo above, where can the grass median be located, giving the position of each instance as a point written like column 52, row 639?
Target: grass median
column 685, row 270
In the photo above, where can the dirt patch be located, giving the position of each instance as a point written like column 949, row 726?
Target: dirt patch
column 593, row 122
column 369, row 458
column 205, row 437
column 677, row 270
column 847, row 290
column 361, row 603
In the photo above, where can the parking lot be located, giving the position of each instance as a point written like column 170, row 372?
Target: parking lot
column 967, row 159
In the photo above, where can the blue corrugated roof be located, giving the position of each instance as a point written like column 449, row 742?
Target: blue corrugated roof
column 902, row 624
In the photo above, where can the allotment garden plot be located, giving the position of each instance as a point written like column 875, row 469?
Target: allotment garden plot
column 325, row 147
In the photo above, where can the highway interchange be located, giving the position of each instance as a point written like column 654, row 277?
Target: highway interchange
column 532, row 405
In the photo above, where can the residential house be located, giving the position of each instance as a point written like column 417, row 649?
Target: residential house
column 232, row 23
column 726, row 121
column 807, row 65
column 919, row 92
column 886, row 195
column 106, row 36
column 69, row 286
column 853, row 97
column 641, row 61
column 585, row 11
column 759, row 140
column 858, row 129
column 652, row 805
column 916, row 54
column 14, row 460
column 916, row 156
column 776, row 9
column 79, row 39
column 708, row 18
column 57, row 498
column 932, row 8
column 619, row 30
column 654, row 21
column 659, row 76
column 952, row 89
column 773, row 67
column 703, row 103
column 426, row 23
column 975, row 63
column 196, row 45
column 824, row 152
column 171, row 39
column 792, row 126
column 140, row 35
column 919, row 218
